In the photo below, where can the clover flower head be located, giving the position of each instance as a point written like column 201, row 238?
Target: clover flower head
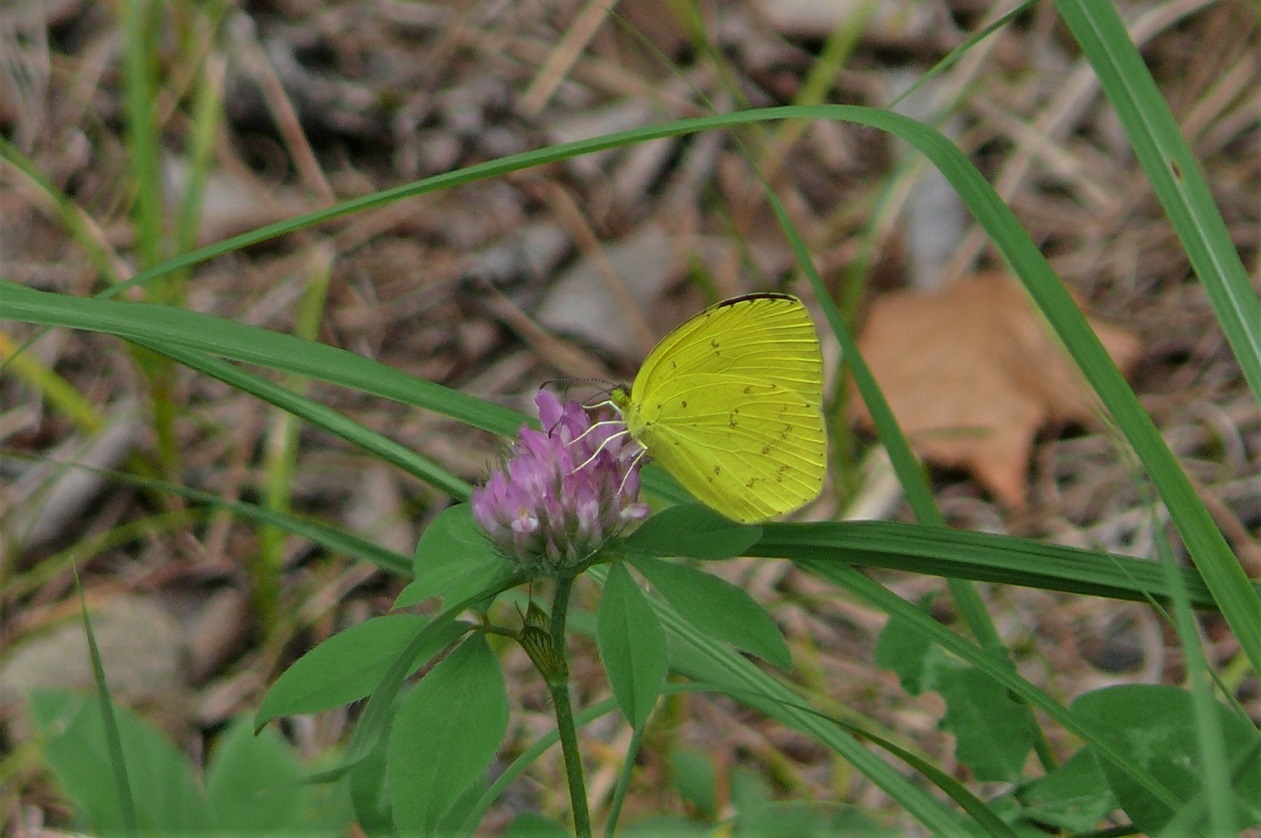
column 563, row 491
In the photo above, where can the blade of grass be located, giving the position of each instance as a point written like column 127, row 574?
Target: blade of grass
column 1239, row 602
column 1175, row 175
column 981, row 557
column 330, row 538
column 78, row 223
column 109, row 724
column 1180, row 186
column 905, row 463
column 193, row 339
column 140, row 19
column 205, row 119
column 704, row 659
column 854, row 581
column 164, row 327
column 951, row 58
column 60, row 393
column 967, row 599
column 1213, row 754
column 21, row 585
column 281, row 455
column 323, row 417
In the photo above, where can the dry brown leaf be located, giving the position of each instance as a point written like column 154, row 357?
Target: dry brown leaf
column 972, row 373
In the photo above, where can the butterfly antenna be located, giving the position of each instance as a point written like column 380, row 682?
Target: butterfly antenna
column 563, row 385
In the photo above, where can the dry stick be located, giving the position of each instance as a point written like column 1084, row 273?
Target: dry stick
column 1238, row 85
column 1057, row 158
column 1060, row 115
column 561, row 354
column 1246, row 548
column 25, row 61
column 613, row 79
column 572, row 219
column 287, row 122
column 563, row 57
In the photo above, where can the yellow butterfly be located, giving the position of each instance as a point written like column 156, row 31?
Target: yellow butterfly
column 730, row 404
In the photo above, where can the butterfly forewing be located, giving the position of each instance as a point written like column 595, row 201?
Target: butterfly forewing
column 761, row 336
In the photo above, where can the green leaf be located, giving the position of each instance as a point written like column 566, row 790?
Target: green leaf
column 749, row 789
column 454, row 560
column 368, row 794
column 446, row 732
column 996, row 667
column 917, row 661
column 695, row 780
column 718, row 608
column 1151, row 722
column 983, row 557
column 759, row 811
column 253, row 782
column 162, row 788
column 993, row 733
column 534, row 825
column 378, row 714
column 802, row 818
column 632, row 645
column 1073, row 797
column 350, row 664
column 693, row 531
column 675, row 826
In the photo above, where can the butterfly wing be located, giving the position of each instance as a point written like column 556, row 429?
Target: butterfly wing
column 769, row 337
column 746, row 447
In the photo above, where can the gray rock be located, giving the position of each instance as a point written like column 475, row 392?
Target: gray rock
column 142, row 652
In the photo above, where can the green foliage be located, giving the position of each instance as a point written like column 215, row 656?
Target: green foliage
column 351, row 663
column 717, row 608
column 993, row 733
column 253, row 783
column 694, row 779
column 1074, row 796
column 369, row 796
column 454, row 561
column 159, row 779
column 693, row 531
column 1150, row 722
column 632, row 645
column 759, row 812
column 445, row 733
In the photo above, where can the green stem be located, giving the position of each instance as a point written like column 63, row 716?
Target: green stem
column 623, row 782
column 558, row 684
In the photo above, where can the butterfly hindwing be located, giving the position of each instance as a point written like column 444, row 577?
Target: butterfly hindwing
column 745, row 446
